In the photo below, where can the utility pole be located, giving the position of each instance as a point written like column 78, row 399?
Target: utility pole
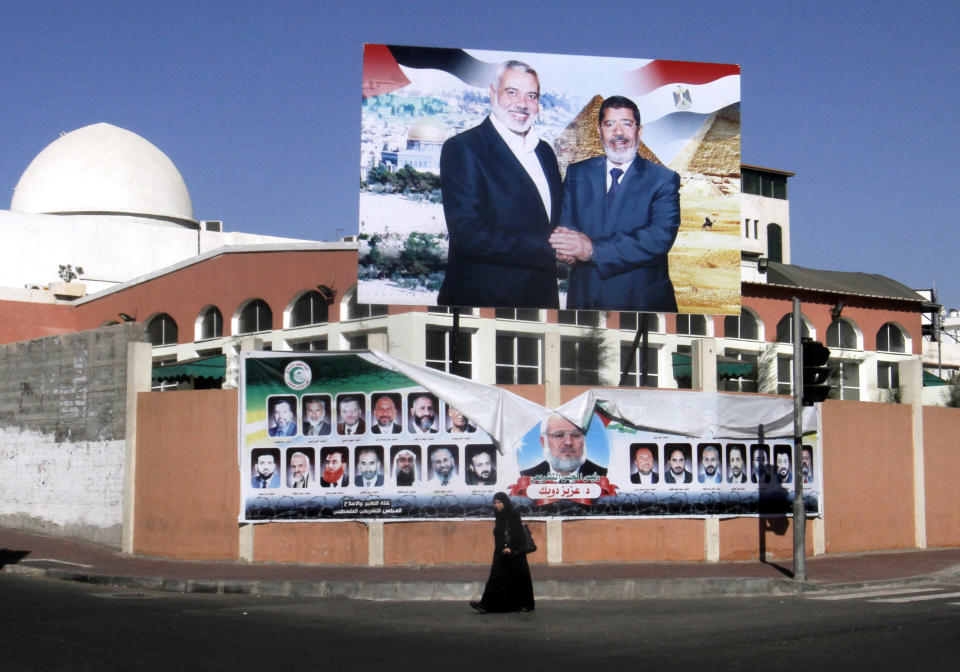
column 799, row 510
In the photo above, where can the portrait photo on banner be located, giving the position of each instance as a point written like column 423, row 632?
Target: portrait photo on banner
column 525, row 180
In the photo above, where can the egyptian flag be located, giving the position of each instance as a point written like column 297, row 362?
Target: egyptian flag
column 382, row 73
column 663, row 87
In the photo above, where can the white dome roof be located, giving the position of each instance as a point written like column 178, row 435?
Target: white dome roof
column 103, row 169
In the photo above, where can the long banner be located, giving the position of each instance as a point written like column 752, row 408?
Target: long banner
column 349, row 436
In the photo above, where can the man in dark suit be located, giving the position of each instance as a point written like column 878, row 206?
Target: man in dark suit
column 481, row 469
column 282, row 420
column 385, row 415
column 646, row 468
column 335, row 469
column 315, row 421
column 351, row 416
column 501, row 194
column 620, row 217
column 265, row 470
column 564, row 448
column 677, row 473
column 736, row 472
column 369, row 473
column 760, row 473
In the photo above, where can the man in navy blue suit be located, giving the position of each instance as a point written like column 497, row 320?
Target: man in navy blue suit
column 619, row 219
column 501, row 194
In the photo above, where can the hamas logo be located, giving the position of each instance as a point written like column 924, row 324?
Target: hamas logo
column 297, row 375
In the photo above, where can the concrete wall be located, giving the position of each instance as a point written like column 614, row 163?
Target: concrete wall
column 63, row 433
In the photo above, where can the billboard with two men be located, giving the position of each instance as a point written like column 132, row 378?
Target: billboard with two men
column 504, row 179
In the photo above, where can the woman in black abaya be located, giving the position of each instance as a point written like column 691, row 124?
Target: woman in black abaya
column 509, row 587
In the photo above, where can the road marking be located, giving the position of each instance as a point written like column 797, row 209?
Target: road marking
column 872, row 593
column 59, row 562
column 919, row 598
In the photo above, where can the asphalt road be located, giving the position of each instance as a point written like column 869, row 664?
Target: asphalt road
column 54, row 625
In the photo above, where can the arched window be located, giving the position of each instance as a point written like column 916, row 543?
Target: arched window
column 311, row 308
column 743, row 326
column 785, row 329
column 162, row 330
column 842, row 335
column 211, row 323
column 256, row 316
column 775, row 243
column 890, row 339
column 692, row 325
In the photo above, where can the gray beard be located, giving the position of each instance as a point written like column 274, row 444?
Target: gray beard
column 566, row 466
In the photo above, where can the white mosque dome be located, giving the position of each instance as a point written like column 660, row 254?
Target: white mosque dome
column 103, row 169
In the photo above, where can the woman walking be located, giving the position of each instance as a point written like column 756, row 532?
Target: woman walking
column 509, row 587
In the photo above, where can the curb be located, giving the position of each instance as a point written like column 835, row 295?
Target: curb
column 545, row 589
column 548, row 589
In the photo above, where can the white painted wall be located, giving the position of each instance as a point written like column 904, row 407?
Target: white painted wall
column 62, row 488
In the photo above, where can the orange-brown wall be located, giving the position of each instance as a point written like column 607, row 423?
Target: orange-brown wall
column 867, row 476
column 228, row 281
column 771, row 305
column 187, row 484
column 753, row 538
column 677, row 539
column 438, row 542
column 340, row 543
column 535, row 393
column 941, row 462
column 24, row 321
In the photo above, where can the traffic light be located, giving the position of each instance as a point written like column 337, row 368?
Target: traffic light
column 815, row 371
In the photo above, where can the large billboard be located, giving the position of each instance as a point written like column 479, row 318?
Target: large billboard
column 508, row 179
column 350, row 436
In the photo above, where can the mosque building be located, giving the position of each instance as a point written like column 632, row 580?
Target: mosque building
column 103, row 199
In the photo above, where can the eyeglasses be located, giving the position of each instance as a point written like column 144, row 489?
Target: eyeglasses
column 562, row 434
column 626, row 124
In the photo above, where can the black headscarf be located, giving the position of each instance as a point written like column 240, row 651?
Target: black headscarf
column 507, row 504
column 508, row 529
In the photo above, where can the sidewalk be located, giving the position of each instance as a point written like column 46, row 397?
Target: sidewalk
column 59, row 558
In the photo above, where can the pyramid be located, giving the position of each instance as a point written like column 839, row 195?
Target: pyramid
column 581, row 138
column 715, row 147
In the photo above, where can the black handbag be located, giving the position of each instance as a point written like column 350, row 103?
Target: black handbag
column 528, row 544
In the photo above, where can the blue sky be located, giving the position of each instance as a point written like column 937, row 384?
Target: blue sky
column 258, row 104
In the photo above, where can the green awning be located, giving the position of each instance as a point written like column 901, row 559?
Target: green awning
column 930, row 380
column 727, row 367
column 204, row 367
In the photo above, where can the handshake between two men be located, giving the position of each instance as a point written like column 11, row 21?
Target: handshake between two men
column 571, row 246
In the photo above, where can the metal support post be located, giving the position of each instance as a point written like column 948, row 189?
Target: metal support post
column 799, row 511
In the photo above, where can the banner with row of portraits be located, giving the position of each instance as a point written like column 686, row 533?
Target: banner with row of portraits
column 348, row 436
